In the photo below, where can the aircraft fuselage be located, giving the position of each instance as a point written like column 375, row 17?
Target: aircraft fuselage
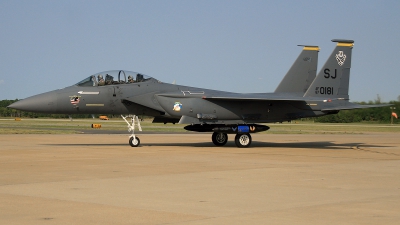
column 154, row 98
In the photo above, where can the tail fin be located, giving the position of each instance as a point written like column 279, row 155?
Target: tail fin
column 302, row 73
column 333, row 79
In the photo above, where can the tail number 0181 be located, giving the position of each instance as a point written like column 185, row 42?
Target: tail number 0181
column 324, row 90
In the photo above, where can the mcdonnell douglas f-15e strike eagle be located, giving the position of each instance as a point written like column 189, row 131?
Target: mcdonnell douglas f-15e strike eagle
column 300, row 94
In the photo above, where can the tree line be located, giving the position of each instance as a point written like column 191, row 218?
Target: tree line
column 376, row 115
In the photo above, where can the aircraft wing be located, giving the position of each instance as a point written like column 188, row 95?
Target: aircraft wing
column 251, row 98
column 227, row 96
column 266, row 97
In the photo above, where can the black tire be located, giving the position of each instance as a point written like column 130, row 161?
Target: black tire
column 243, row 140
column 219, row 139
column 134, row 143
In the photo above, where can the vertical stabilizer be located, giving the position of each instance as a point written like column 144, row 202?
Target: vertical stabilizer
column 333, row 79
column 302, row 73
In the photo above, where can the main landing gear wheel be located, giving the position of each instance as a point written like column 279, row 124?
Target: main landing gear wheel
column 219, row 139
column 243, row 140
column 134, row 142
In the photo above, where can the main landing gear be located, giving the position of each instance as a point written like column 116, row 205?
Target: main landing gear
column 221, row 131
column 219, row 139
column 242, row 140
column 135, row 122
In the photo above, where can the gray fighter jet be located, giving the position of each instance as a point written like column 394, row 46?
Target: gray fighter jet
column 300, row 94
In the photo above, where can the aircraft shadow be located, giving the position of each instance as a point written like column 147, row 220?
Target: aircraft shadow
column 255, row 144
column 259, row 144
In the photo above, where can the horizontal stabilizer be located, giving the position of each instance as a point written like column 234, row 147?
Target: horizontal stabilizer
column 353, row 106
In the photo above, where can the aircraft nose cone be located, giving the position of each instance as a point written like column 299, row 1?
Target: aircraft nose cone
column 42, row 103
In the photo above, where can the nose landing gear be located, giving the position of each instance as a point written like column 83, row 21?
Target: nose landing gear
column 135, row 122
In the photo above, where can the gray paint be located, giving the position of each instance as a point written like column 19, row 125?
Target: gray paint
column 300, row 75
column 203, row 106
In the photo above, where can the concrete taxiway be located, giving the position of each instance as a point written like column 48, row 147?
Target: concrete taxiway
column 184, row 179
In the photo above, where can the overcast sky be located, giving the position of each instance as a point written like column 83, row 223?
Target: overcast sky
column 239, row 46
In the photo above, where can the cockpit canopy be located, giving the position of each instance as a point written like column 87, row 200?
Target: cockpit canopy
column 120, row 76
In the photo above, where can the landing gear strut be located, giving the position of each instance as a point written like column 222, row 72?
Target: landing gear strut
column 219, row 139
column 133, row 140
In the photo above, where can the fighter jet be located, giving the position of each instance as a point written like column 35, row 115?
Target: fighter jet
column 300, row 94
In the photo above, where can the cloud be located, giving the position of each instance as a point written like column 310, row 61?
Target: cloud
column 1, row 82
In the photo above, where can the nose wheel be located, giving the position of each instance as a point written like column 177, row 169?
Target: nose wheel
column 134, row 141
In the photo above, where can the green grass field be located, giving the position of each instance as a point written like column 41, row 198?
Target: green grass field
column 65, row 126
